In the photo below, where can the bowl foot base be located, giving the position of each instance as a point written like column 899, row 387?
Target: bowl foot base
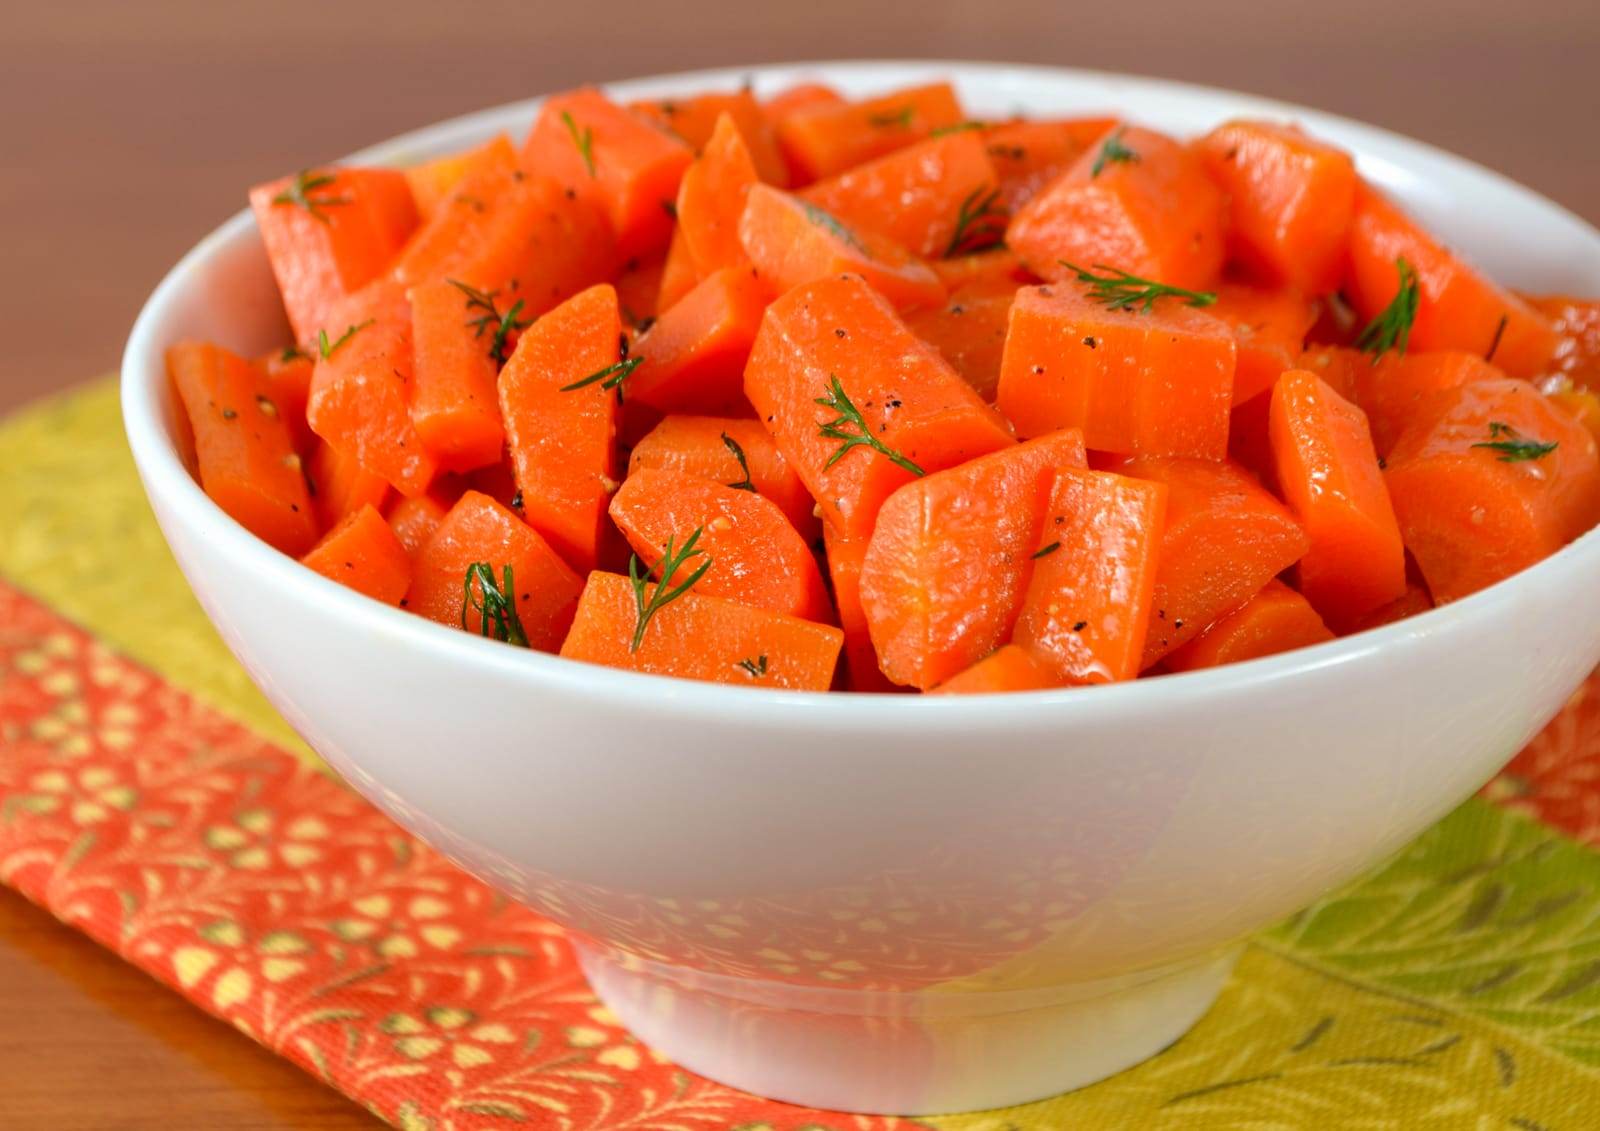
column 913, row 1053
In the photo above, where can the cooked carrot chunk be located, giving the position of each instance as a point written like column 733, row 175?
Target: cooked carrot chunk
column 704, row 638
column 246, row 463
column 994, row 272
column 1224, row 538
column 1290, row 200
column 692, row 359
column 679, row 273
column 1576, row 322
column 562, row 433
column 1087, row 608
column 1394, row 388
column 1488, row 480
column 1269, row 330
column 340, row 486
column 1156, row 383
column 949, row 558
column 969, row 332
column 1414, row 600
column 845, row 557
column 364, row 553
column 792, row 241
column 800, row 96
column 711, row 199
column 1008, row 668
column 607, row 154
column 1328, row 473
column 460, row 335
column 1277, row 619
column 478, row 529
column 432, row 182
column 858, row 404
column 1027, row 156
column 286, row 381
column 638, row 285
column 1155, row 214
column 824, row 138
column 414, row 520
column 695, row 118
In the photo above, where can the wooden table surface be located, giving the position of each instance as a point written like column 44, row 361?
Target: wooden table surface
column 131, row 129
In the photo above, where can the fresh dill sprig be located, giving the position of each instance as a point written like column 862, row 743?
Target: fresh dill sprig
column 500, row 326
column 1112, row 150
column 821, row 218
column 979, row 224
column 754, row 668
column 611, row 377
column 900, row 118
column 326, row 348
column 299, row 193
column 292, row 353
column 958, row 128
column 1499, row 332
column 584, row 140
column 495, row 603
column 849, row 418
column 1046, row 551
column 1122, row 291
column 664, row 593
column 1391, row 329
column 744, row 465
column 1512, row 445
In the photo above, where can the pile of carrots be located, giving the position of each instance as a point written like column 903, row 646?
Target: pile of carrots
column 807, row 392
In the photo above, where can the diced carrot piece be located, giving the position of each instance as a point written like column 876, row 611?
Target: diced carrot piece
column 694, row 119
column 948, row 561
column 562, row 439
column 414, row 520
column 1156, row 383
column 1393, row 389
column 1339, row 366
column 822, row 139
column 1269, row 328
column 1249, row 443
column 607, row 154
column 800, row 96
column 1087, row 608
column 969, row 333
column 509, row 232
column 935, row 198
column 844, row 558
column 1277, row 619
column 328, row 233
column 1413, row 601
column 704, row 638
column 756, row 556
column 1327, row 471
column 711, row 200
column 1225, row 537
column 457, row 347
column 679, row 272
column 1576, row 322
column 478, row 529
column 638, row 286
column 1477, row 493
column 363, row 553
column 792, row 241
column 246, row 462
column 837, row 335
column 997, row 271
column 1457, row 307
column 733, row 453
column 362, row 388
column 1157, row 216
column 692, row 359
column 499, row 481
column 1027, row 155
column 1584, row 406
column 432, row 182
column 1008, row 668
column 286, row 379
column 1290, row 199
column 340, row 486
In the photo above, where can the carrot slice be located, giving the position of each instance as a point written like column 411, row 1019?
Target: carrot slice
column 679, row 273
column 1156, row 383
column 1478, row 494
column 478, row 529
column 837, row 340
column 695, row 119
column 1155, row 214
column 692, row 359
column 432, row 182
column 286, row 381
column 1008, row 668
column 246, row 462
column 822, row 138
column 415, row 519
column 458, row 340
column 969, row 332
column 935, row 198
column 1339, row 366
column 1269, row 329
column 1027, row 156
column 613, row 157
column 704, row 638
column 562, row 439
column 328, row 233
column 1457, row 307
column 998, row 271
column 1576, row 322
column 1413, row 601
column 1087, row 608
column 756, row 556
column 800, row 96
column 792, row 241
column 1225, row 537
column 711, row 200
column 340, row 486
column 948, row 561
column 844, row 559
column 1393, row 389
column 363, row 553
column 1327, row 471
column 1277, row 619
column 735, row 453
column 1290, row 200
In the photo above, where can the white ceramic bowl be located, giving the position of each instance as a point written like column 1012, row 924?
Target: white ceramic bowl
column 891, row 903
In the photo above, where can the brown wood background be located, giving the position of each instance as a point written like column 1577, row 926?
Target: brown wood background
column 128, row 129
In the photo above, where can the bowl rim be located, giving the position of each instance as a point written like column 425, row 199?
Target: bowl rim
column 164, row 475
